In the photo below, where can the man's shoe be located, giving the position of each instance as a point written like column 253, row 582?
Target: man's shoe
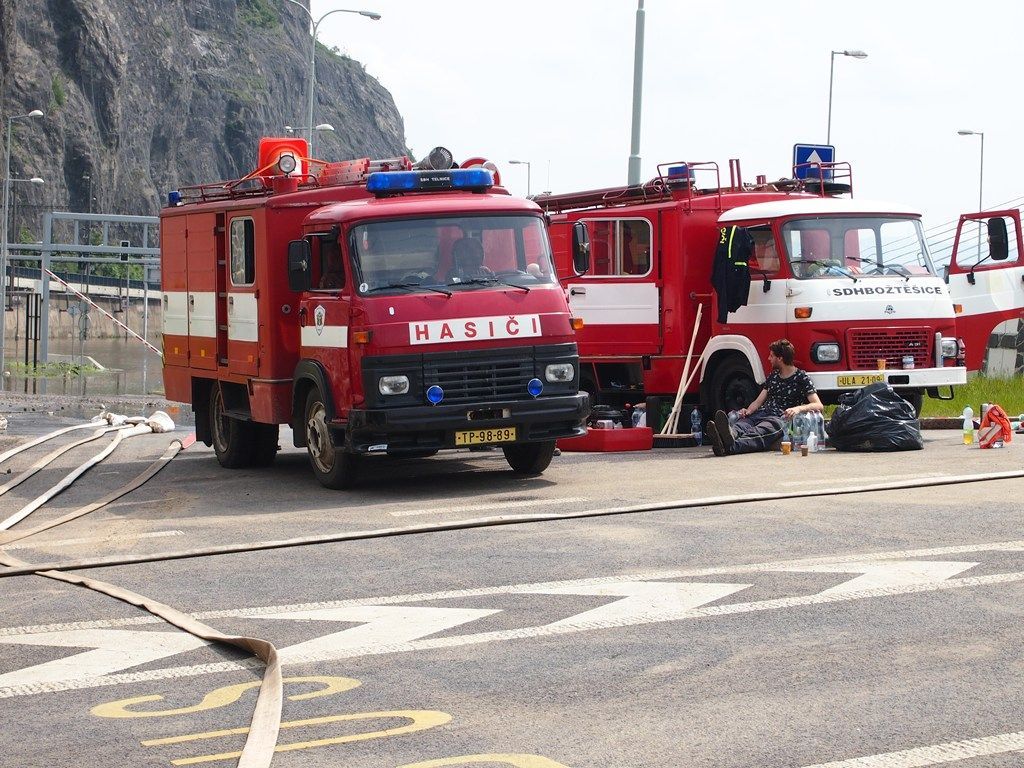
column 716, row 439
column 724, row 431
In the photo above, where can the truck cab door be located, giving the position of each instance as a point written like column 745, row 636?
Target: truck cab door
column 242, row 295
column 201, row 259
column 771, row 292
column 619, row 297
column 986, row 278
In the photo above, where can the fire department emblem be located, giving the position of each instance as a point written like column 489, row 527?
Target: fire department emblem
column 890, row 309
column 319, row 318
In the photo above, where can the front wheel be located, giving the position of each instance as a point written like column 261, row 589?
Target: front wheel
column 915, row 397
column 529, row 458
column 732, row 386
column 333, row 468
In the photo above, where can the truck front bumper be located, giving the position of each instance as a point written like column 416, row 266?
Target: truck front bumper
column 429, row 428
column 904, row 378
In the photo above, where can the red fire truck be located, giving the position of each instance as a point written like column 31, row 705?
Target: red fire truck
column 376, row 307
column 850, row 283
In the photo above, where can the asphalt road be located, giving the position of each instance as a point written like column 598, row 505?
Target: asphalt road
column 795, row 633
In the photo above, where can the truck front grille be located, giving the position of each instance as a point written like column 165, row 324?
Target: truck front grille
column 473, row 380
column 868, row 345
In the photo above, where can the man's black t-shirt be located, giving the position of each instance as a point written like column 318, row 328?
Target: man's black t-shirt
column 786, row 393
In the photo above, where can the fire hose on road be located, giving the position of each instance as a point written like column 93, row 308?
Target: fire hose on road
column 262, row 735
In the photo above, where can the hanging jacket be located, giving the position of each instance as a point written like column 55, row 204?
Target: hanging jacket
column 730, row 275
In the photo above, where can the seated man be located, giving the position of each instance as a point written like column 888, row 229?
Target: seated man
column 468, row 261
column 786, row 392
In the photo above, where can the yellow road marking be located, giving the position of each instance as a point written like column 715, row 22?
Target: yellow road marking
column 221, row 697
column 422, row 719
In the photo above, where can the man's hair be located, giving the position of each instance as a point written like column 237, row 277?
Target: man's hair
column 783, row 349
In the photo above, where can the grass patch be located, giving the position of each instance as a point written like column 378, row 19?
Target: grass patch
column 51, row 370
column 1009, row 393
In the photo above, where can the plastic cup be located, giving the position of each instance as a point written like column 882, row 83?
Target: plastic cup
column 880, row 362
column 787, row 447
column 803, row 450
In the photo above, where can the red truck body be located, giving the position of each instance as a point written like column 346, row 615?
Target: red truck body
column 288, row 299
column 850, row 283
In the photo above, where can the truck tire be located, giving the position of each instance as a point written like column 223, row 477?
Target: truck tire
column 232, row 438
column 333, row 468
column 529, row 458
column 732, row 386
column 264, row 444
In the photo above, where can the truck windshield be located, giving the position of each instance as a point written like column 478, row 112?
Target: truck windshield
column 857, row 246
column 461, row 253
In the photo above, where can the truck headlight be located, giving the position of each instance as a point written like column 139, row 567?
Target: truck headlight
column 950, row 347
column 559, row 372
column 825, row 352
column 393, row 385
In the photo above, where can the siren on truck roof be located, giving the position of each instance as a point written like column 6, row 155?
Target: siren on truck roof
column 386, row 183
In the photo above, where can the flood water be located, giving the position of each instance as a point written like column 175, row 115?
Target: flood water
column 131, row 368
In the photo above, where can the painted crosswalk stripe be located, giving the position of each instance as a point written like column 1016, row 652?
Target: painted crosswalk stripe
column 497, row 505
column 938, row 754
column 92, row 540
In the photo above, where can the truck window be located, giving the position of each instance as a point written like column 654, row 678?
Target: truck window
column 864, row 246
column 462, row 253
column 242, row 252
column 327, row 253
column 619, row 247
column 765, row 259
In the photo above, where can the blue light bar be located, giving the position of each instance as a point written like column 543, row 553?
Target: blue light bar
column 393, row 182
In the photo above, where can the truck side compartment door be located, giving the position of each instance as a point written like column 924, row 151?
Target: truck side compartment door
column 242, row 295
column 618, row 298
column 201, row 254
column 986, row 277
column 174, row 285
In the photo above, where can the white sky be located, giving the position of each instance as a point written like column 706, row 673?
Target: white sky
column 551, row 82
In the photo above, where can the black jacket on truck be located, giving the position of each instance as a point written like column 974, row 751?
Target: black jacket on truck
column 730, row 275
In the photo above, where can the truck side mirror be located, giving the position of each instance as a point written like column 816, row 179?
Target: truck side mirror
column 998, row 242
column 299, row 272
column 580, row 248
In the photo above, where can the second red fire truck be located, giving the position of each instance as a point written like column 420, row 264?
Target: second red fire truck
column 376, row 307
column 849, row 282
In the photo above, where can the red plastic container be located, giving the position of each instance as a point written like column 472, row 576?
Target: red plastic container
column 634, row 439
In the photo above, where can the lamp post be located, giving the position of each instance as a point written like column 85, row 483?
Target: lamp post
column 633, row 170
column 527, row 164
column 312, row 57
column 981, row 175
column 4, row 235
column 831, row 72
column 291, row 129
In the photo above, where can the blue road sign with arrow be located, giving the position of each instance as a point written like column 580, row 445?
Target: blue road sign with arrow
column 804, row 155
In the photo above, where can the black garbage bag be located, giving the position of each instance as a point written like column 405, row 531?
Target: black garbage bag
column 875, row 419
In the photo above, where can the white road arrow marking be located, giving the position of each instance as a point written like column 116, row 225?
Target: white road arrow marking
column 115, row 649
column 381, row 626
column 886, row 573
column 652, row 600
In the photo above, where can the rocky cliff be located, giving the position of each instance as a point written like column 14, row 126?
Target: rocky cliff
column 143, row 97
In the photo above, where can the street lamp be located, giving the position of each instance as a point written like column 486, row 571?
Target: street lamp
column 290, row 129
column 981, row 174
column 4, row 235
column 527, row 164
column 312, row 56
column 831, row 71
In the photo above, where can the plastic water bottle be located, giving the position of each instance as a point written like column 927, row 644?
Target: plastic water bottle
column 819, row 423
column 968, row 426
column 639, row 417
column 812, row 442
column 695, row 423
column 799, row 430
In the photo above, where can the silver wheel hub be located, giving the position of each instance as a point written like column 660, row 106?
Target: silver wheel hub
column 318, row 439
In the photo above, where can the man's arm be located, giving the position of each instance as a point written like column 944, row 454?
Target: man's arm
column 756, row 404
column 813, row 404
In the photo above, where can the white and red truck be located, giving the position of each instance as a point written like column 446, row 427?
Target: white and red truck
column 374, row 306
column 849, row 282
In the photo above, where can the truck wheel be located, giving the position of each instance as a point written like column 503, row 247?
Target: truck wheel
column 333, row 468
column 732, row 386
column 231, row 438
column 529, row 458
column 264, row 446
